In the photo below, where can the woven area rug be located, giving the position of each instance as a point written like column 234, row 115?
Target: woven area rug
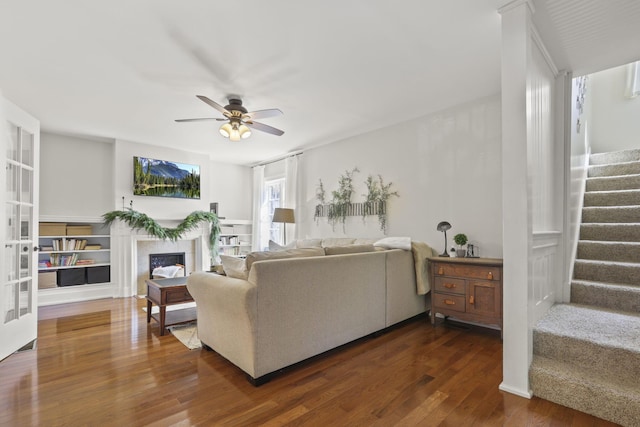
column 187, row 335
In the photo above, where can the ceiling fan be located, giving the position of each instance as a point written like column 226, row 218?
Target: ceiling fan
column 239, row 120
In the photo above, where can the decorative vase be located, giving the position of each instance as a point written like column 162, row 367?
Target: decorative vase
column 461, row 253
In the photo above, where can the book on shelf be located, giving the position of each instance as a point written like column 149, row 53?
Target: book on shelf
column 92, row 247
column 68, row 244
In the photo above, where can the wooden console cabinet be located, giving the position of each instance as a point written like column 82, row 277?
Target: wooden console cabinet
column 468, row 289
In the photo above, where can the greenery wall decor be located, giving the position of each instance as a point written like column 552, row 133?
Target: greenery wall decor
column 139, row 221
column 342, row 206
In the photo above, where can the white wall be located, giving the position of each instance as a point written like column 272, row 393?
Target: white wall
column 76, row 176
column 445, row 166
column 83, row 177
column 613, row 118
column 229, row 185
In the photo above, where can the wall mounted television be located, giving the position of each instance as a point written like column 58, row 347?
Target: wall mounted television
column 161, row 178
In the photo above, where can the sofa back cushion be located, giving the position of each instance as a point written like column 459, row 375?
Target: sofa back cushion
column 290, row 253
column 348, row 249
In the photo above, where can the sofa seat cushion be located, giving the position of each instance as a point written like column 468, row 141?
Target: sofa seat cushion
column 289, row 253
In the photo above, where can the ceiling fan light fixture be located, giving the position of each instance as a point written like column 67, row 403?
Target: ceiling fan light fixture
column 225, row 130
column 245, row 132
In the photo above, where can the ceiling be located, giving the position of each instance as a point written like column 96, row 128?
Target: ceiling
column 126, row 69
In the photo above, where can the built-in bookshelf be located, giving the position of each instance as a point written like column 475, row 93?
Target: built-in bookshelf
column 74, row 261
column 235, row 237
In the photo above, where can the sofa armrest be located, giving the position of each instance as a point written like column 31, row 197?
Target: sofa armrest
column 226, row 315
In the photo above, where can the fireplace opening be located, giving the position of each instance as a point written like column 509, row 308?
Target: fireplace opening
column 166, row 265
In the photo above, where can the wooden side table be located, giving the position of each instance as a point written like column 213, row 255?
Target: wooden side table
column 165, row 292
column 469, row 289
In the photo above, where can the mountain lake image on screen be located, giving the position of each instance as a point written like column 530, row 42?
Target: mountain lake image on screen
column 161, row 178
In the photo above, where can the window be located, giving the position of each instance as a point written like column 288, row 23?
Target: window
column 273, row 197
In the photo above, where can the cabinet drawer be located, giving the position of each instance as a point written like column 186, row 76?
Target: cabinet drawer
column 447, row 284
column 449, row 302
column 179, row 295
column 467, row 271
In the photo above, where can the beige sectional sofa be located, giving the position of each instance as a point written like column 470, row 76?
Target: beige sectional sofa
column 292, row 308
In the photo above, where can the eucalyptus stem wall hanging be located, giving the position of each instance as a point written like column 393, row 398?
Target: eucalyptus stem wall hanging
column 340, row 206
column 139, row 221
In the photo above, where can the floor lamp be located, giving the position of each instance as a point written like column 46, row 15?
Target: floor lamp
column 284, row 216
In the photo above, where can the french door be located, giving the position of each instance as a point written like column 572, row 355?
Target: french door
column 19, row 152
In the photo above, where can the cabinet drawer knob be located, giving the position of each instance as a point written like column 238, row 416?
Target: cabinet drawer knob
column 441, row 270
column 471, row 299
column 449, row 285
column 449, row 302
column 490, row 275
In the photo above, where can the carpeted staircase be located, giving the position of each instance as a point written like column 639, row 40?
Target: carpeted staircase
column 586, row 354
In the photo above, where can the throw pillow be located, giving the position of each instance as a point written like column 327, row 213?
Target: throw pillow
column 348, row 249
column 337, row 241
column 275, row 247
column 403, row 243
column 309, row 243
column 234, row 267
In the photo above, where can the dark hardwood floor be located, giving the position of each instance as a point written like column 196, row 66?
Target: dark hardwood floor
column 98, row 363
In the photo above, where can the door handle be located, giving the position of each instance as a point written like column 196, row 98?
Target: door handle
column 441, row 270
column 449, row 302
column 472, row 299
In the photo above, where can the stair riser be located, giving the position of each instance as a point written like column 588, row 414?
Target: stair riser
column 605, row 296
column 607, row 273
column 616, row 363
column 630, row 182
column 624, row 198
column 611, row 215
column 614, row 157
column 610, row 232
column 614, row 170
column 617, row 251
column 600, row 401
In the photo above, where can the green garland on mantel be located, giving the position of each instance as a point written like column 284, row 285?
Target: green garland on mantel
column 139, row 221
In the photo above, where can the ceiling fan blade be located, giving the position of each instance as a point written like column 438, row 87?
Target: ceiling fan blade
column 200, row 120
column 263, row 114
column 214, row 104
column 264, row 128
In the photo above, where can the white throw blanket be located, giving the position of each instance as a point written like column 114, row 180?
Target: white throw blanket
column 168, row 271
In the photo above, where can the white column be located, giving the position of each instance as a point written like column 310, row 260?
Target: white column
column 516, row 209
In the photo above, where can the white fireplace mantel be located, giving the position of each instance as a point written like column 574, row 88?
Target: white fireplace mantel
column 124, row 253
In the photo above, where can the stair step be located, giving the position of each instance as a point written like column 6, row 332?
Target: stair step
column 610, row 232
column 585, row 391
column 605, row 340
column 609, row 251
column 611, row 296
column 614, row 157
column 611, row 214
column 612, row 198
column 606, row 183
column 616, row 169
column 607, row 271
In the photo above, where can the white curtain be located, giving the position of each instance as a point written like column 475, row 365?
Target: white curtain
column 291, row 193
column 633, row 80
column 258, row 206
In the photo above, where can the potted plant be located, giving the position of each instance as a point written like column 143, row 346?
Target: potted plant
column 461, row 240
